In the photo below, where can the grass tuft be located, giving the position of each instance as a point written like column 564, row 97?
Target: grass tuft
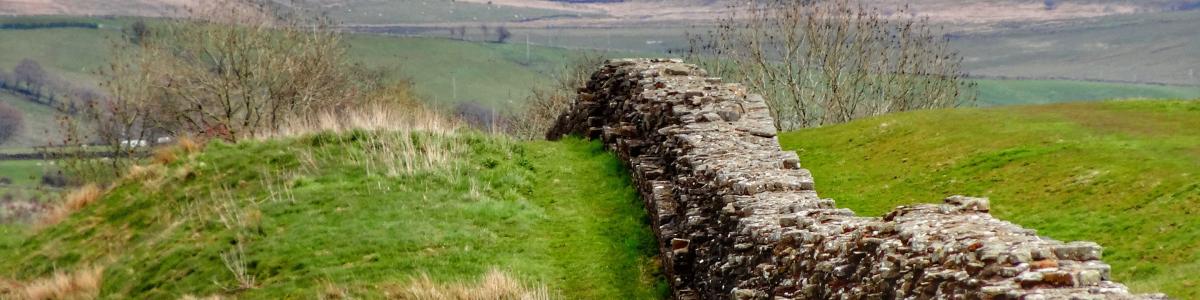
column 79, row 285
column 494, row 285
column 74, row 201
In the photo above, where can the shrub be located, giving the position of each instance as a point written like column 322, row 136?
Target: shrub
column 494, row 285
column 76, row 200
column 547, row 103
column 12, row 121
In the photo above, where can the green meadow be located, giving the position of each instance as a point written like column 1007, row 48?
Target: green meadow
column 1121, row 173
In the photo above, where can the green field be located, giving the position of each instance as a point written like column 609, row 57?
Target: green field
column 993, row 92
column 1158, row 47
column 322, row 213
column 1121, row 173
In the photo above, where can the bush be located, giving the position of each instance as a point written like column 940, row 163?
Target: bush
column 11, row 122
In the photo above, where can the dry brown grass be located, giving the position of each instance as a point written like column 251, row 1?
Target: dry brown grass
column 164, row 155
column 76, row 200
column 371, row 118
column 78, row 285
column 495, row 285
column 189, row 145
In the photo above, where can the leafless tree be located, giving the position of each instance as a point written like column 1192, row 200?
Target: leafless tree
column 827, row 62
column 32, row 75
column 227, row 71
column 11, row 122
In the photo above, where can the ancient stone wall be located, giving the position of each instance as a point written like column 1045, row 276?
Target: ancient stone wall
column 737, row 217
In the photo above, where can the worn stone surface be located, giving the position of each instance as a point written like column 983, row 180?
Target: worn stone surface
column 737, row 217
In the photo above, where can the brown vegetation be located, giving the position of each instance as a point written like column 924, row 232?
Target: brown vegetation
column 546, row 103
column 495, row 285
column 79, row 285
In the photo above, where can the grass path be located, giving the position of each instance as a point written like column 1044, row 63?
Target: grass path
column 596, row 222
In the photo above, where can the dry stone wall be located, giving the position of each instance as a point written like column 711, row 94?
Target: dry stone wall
column 738, row 218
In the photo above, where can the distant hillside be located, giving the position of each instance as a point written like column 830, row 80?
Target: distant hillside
column 450, row 72
column 354, row 215
column 1123, row 174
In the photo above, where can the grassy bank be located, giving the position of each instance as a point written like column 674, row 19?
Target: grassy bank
column 1119, row 173
column 359, row 214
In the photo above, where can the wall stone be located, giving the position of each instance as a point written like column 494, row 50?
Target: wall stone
column 738, row 218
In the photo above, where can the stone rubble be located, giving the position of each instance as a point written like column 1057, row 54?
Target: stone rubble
column 738, row 218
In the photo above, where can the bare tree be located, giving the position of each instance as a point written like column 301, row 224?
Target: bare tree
column 224, row 72
column 827, row 62
column 32, row 75
column 11, row 122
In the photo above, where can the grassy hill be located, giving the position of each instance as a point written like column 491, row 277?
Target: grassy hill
column 1121, row 173
column 357, row 214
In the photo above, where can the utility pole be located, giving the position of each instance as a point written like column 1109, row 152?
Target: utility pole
column 454, row 88
column 527, row 47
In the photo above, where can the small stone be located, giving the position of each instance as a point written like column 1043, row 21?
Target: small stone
column 729, row 115
column 1080, row 251
column 711, row 117
column 995, row 291
column 744, row 294
column 1044, row 264
column 1088, row 278
column 789, row 221
column 677, row 71
column 1058, row 278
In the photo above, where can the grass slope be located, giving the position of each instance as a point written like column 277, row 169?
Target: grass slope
column 1121, row 173
column 308, row 216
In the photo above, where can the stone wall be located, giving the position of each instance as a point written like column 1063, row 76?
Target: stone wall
column 737, row 217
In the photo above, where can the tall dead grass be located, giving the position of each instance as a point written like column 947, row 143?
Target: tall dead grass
column 79, row 285
column 375, row 117
column 495, row 285
column 76, row 200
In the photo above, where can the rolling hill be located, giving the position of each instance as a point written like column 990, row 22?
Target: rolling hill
column 1121, row 173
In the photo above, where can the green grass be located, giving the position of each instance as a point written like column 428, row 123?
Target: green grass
column 993, row 92
column 491, row 74
column 559, row 214
column 1122, row 173
column 22, row 172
